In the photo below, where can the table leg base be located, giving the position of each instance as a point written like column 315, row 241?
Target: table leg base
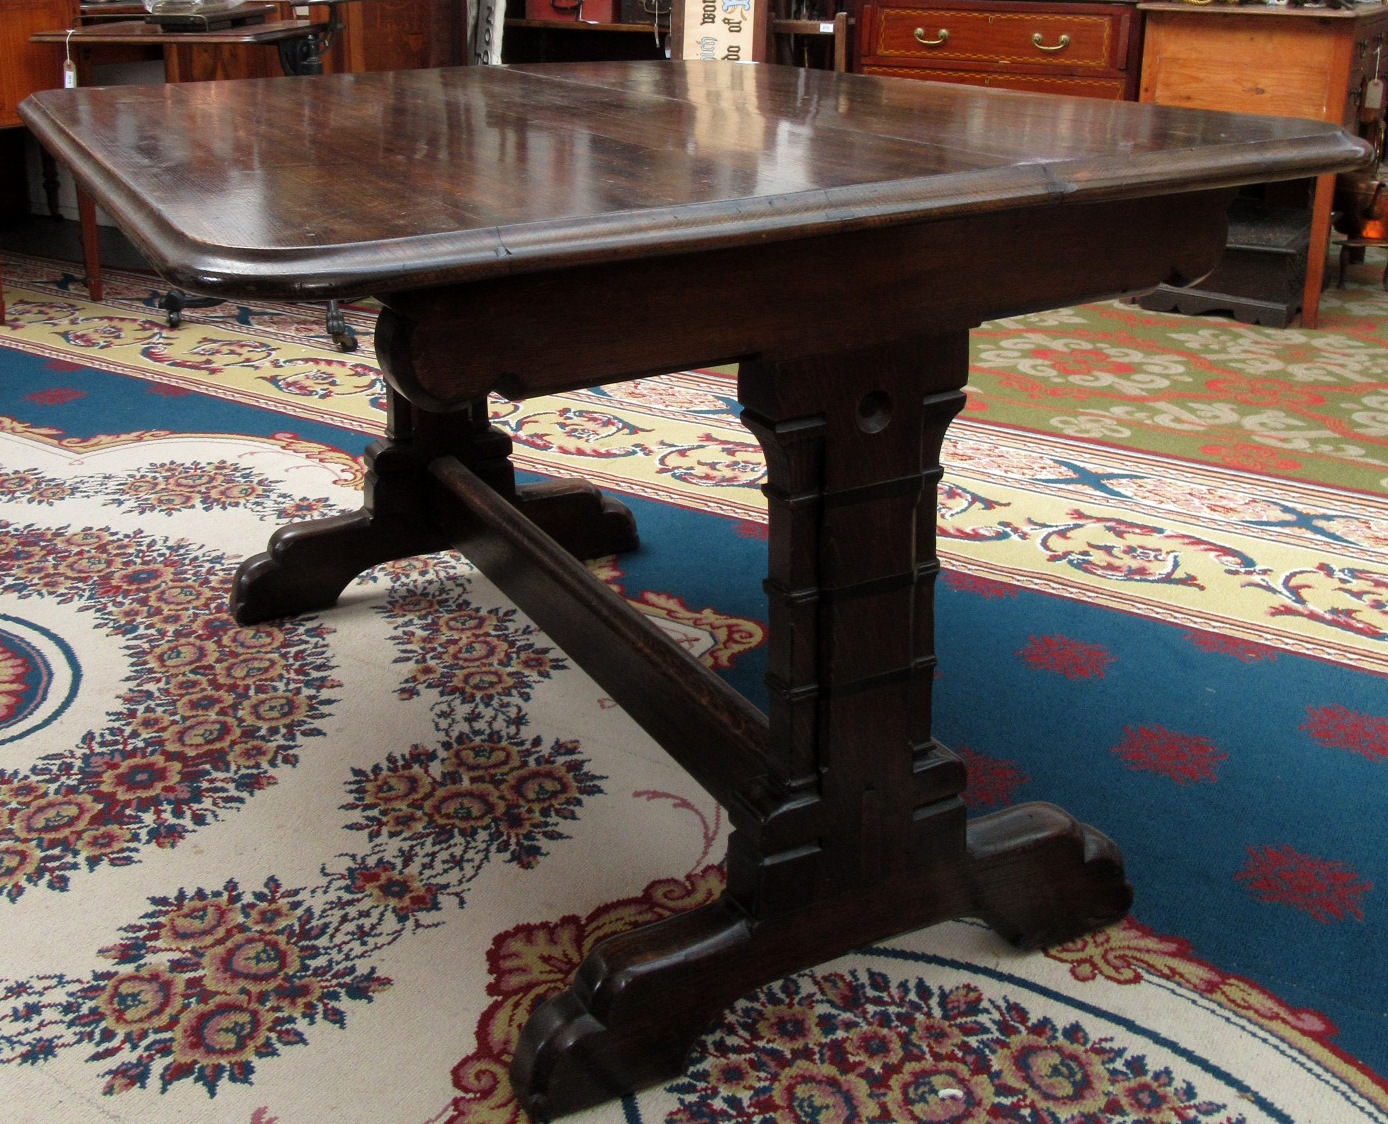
column 308, row 565
column 578, row 517
column 642, row 999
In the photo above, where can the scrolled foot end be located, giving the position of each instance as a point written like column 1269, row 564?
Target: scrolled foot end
column 567, row 1060
column 264, row 590
column 1041, row 877
column 580, row 518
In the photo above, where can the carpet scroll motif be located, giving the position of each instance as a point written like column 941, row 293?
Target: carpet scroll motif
column 323, row 870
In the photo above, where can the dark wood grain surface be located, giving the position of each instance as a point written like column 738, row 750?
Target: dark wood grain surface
column 377, row 182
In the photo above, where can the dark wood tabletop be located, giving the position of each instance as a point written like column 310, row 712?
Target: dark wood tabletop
column 373, row 182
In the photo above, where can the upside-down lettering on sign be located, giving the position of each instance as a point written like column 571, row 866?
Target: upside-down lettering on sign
column 719, row 29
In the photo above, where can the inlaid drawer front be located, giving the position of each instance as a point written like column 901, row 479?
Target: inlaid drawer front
column 1112, row 89
column 928, row 35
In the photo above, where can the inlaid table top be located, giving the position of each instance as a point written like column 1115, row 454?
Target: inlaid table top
column 373, row 182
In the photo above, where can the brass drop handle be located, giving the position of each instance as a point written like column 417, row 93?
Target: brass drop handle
column 942, row 36
column 1060, row 46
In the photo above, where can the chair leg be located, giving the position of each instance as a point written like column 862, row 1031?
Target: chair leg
column 341, row 332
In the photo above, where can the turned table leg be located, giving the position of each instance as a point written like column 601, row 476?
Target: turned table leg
column 857, row 830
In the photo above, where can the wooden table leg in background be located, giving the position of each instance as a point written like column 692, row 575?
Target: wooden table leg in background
column 91, row 252
column 1319, row 247
column 1315, row 254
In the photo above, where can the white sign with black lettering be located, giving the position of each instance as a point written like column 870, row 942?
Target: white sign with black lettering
column 718, row 29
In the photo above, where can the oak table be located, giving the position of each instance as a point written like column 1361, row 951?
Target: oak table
column 835, row 234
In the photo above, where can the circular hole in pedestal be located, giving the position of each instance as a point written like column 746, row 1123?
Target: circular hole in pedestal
column 874, row 411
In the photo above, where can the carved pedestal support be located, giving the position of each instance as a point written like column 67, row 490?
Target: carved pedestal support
column 642, row 999
column 848, row 820
column 308, row 565
column 853, row 830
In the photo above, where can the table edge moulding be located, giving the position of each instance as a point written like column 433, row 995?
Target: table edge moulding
column 345, row 269
column 715, row 188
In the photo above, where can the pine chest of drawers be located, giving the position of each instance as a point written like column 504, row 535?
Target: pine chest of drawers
column 1090, row 49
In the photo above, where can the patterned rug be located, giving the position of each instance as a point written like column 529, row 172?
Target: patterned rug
column 323, row 871
column 1288, row 402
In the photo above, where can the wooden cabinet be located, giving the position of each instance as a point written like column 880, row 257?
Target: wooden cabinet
column 1287, row 62
column 1077, row 48
column 403, row 34
column 1284, row 62
column 25, row 67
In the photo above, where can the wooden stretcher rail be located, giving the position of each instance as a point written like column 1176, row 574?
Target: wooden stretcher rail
column 714, row 733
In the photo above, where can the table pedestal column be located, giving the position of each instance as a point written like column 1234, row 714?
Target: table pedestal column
column 858, row 829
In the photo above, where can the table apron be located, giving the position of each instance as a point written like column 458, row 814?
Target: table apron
column 545, row 333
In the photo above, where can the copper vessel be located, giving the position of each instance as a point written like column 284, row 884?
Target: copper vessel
column 1361, row 200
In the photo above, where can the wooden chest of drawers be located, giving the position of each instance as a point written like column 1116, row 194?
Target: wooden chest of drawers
column 1076, row 48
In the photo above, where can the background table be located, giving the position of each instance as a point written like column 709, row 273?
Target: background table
column 300, row 43
column 1294, row 62
column 837, row 235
